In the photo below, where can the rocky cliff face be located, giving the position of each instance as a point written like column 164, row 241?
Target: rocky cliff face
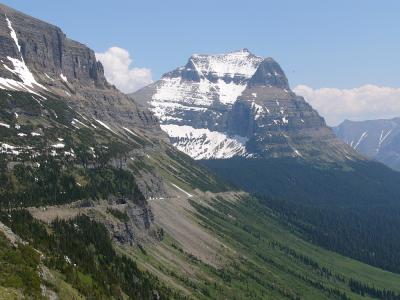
column 238, row 104
column 377, row 139
column 38, row 57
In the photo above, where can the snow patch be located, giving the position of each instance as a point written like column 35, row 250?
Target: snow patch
column 182, row 190
column 229, row 72
column 192, row 93
column 105, row 126
column 70, row 153
column 383, row 137
column 76, row 121
column 58, row 145
column 63, row 77
column 45, row 74
column 13, row 34
column 130, row 131
column 364, row 135
column 258, row 110
column 204, row 143
column 28, row 81
column 167, row 110
column 239, row 62
column 9, row 149
column 228, row 92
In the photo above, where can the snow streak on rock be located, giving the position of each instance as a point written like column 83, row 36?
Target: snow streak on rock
column 27, row 80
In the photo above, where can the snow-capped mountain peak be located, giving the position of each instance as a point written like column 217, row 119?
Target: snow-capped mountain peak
column 205, row 80
column 197, row 96
column 235, row 104
column 240, row 63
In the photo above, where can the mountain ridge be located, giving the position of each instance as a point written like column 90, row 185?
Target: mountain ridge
column 259, row 116
column 39, row 58
column 376, row 139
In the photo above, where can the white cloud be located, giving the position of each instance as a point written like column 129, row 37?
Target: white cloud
column 118, row 70
column 363, row 103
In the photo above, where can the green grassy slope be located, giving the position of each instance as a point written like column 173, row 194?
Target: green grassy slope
column 217, row 243
column 262, row 258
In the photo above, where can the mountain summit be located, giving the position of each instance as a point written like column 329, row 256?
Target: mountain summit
column 238, row 104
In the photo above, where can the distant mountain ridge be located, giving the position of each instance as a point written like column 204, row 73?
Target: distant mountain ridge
column 376, row 139
column 238, row 104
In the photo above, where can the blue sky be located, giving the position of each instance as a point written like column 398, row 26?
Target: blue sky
column 342, row 55
column 341, row 44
